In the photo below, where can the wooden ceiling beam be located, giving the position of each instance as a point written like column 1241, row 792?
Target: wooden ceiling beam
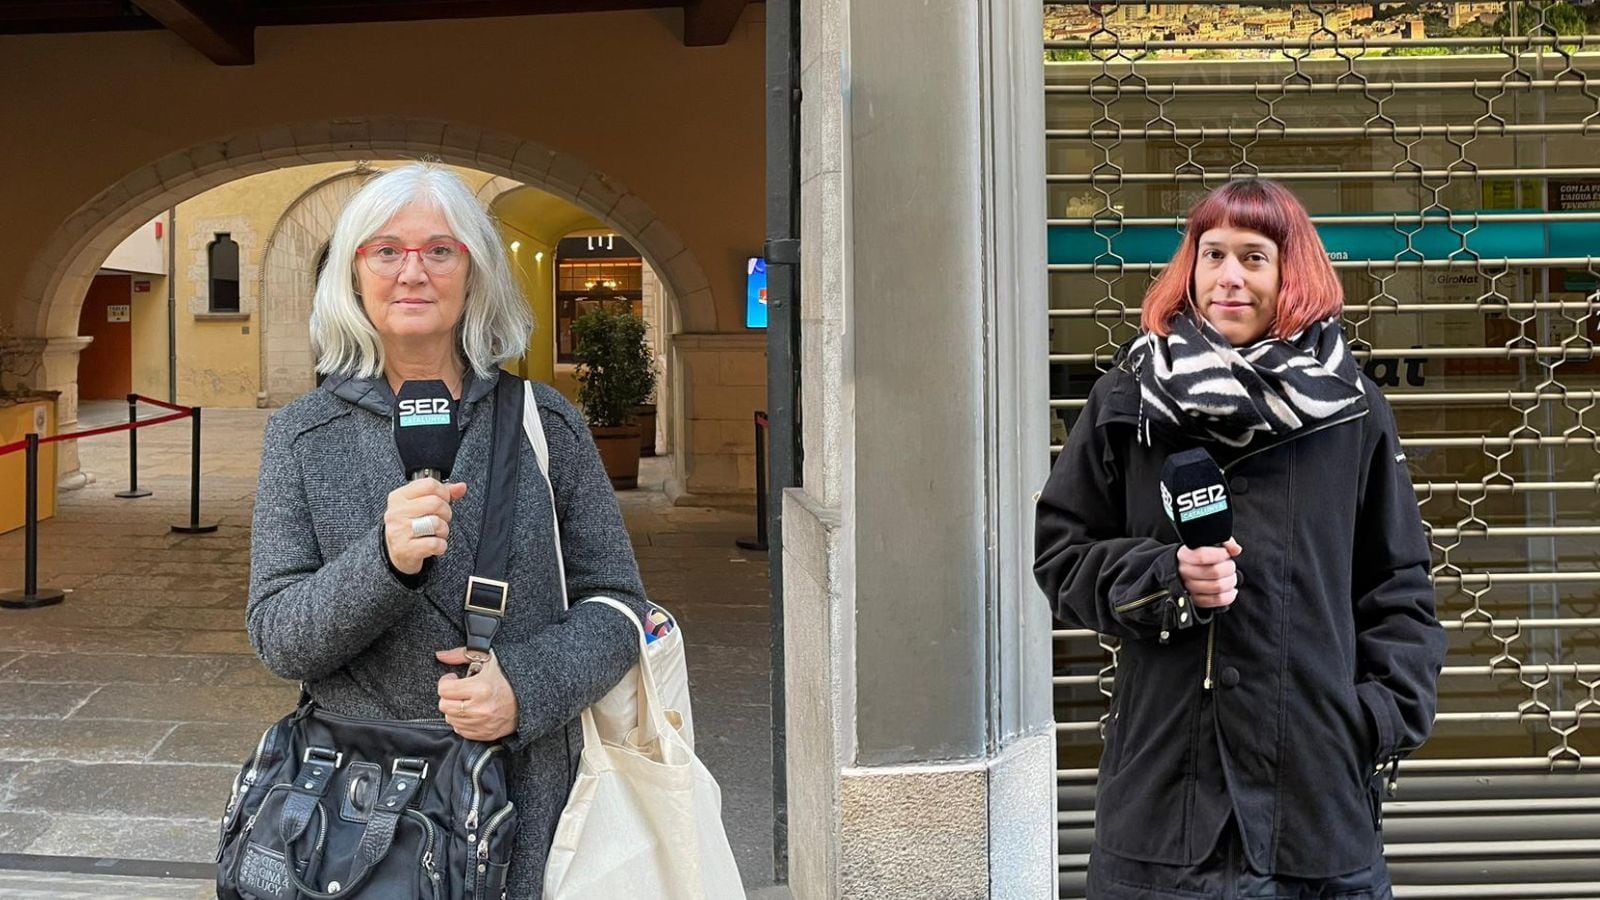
column 217, row 28
column 709, row 23
column 32, row 17
column 314, row 12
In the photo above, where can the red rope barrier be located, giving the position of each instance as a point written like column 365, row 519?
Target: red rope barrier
column 109, row 429
column 161, row 403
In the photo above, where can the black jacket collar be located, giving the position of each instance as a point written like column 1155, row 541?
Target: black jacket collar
column 375, row 396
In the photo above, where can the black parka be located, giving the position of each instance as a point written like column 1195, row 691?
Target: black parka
column 1285, row 708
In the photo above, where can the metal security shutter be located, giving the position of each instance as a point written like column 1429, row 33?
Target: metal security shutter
column 1456, row 181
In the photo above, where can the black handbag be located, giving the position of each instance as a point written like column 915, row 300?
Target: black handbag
column 332, row 806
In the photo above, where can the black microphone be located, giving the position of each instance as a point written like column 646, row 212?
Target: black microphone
column 425, row 429
column 1194, row 494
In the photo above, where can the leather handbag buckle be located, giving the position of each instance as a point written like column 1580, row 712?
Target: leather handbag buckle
column 323, row 754
column 416, row 768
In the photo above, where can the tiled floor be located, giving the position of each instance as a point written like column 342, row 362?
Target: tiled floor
column 124, row 712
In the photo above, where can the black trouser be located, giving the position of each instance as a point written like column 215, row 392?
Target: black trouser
column 1224, row 875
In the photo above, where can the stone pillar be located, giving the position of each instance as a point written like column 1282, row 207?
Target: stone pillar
column 656, row 321
column 721, row 380
column 921, row 752
column 51, row 364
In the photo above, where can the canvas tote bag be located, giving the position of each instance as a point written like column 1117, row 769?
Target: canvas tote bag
column 616, row 712
column 644, row 818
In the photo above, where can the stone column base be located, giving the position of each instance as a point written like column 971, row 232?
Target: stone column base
column 721, row 380
column 977, row 829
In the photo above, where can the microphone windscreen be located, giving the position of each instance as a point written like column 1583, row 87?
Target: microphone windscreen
column 1194, row 494
column 425, row 427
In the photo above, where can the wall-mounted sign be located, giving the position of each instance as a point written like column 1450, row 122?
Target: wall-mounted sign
column 596, row 246
column 1577, row 194
column 142, row 287
column 1435, row 238
column 119, row 312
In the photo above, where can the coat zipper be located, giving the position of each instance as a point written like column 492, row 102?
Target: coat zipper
column 1142, row 601
column 1296, row 436
column 1211, row 629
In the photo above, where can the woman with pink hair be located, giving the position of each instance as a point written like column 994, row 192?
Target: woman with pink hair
column 1265, row 686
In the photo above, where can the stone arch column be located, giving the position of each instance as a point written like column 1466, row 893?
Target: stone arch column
column 288, row 280
column 53, row 290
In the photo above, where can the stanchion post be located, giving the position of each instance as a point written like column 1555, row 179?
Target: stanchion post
column 194, row 526
column 760, row 543
column 133, row 491
column 30, row 597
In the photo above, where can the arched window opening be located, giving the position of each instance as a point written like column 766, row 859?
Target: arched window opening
column 222, row 257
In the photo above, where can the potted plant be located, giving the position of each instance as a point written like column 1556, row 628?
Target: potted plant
column 615, row 374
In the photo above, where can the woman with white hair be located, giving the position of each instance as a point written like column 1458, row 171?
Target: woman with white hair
column 357, row 574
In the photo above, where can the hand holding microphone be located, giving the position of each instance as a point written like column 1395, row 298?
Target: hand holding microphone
column 1194, row 494
column 416, row 523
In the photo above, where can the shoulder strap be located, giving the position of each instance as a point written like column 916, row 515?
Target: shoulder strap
column 499, row 503
column 487, row 590
column 533, row 427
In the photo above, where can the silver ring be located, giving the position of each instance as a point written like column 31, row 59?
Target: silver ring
column 463, row 706
column 422, row 526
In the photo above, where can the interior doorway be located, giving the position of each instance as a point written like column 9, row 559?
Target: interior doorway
column 105, row 368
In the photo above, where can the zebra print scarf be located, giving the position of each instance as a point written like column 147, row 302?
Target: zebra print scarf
column 1194, row 380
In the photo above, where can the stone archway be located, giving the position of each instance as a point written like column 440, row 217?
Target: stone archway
column 288, row 279
column 58, row 277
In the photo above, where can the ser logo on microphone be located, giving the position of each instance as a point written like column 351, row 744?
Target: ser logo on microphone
column 424, row 411
column 1202, row 501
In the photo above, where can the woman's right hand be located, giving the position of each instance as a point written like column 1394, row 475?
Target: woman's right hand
column 411, row 501
column 1209, row 574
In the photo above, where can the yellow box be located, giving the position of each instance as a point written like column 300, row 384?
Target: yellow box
column 16, row 420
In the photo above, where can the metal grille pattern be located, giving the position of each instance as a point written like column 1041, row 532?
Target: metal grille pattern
column 1454, row 179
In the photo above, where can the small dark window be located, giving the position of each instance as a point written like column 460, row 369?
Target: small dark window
column 222, row 256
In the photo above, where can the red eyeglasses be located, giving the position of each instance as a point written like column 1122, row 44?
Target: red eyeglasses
column 386, row 258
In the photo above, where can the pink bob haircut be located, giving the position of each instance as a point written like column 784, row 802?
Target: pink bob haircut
column 1308, row 289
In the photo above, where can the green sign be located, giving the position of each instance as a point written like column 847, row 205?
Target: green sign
column 1110, row 244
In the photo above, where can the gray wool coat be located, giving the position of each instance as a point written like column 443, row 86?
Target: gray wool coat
column 326, row 609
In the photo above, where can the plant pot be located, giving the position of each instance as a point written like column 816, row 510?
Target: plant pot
column 645, row 415
column 619, row 451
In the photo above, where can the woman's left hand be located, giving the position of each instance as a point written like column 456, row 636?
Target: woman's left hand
column 479, row 707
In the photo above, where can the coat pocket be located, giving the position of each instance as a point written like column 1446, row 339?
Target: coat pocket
column 1117, row 723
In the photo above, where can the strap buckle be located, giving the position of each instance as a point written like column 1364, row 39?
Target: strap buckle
column 323, row 754
column 487, row 596
column 411, row 767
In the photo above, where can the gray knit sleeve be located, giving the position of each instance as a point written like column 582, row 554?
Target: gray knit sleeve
column 307, row 616
column 571, row 664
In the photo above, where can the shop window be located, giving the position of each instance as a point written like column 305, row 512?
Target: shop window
column 583, row 284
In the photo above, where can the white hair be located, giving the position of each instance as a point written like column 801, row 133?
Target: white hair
column 496, row 321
